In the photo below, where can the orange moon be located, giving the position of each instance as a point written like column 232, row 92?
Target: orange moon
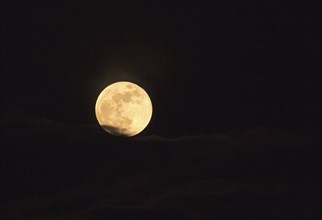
column 123, row 109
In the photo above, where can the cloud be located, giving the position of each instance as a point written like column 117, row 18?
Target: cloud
column 19, row 124
column 248, row 136
column 54, row 170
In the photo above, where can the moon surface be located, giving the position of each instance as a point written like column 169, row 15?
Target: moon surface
column 123, row 109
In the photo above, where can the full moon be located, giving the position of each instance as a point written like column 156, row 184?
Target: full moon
column 123, row 109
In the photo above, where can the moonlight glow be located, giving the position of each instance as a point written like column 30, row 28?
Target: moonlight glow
column 123, row 109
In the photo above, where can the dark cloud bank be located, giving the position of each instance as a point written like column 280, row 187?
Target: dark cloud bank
column 51, row 170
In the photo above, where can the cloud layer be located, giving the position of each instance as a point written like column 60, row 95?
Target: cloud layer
column 53, row 170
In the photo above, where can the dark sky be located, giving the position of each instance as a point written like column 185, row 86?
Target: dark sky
column 207, row 67
column 236, row 93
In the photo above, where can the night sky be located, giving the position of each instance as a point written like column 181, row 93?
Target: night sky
column 236, row 126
